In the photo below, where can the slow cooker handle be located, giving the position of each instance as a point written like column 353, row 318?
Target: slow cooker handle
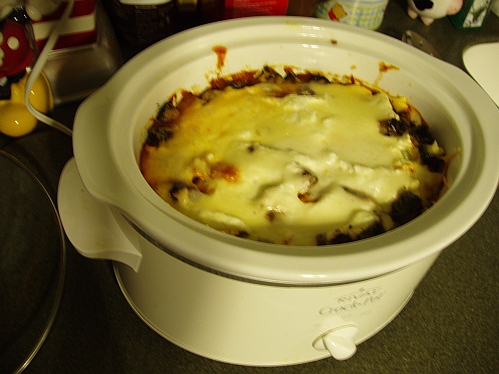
column 339, row 342
column 93, row 227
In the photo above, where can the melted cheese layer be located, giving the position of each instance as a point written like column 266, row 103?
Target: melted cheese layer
column 287, row 168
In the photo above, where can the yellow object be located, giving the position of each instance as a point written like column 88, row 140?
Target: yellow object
column 15, row 118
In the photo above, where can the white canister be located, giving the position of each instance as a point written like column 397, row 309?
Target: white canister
column 363, row 13
column 495, row 7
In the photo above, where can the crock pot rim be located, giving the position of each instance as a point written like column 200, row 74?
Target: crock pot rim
column 342, row 248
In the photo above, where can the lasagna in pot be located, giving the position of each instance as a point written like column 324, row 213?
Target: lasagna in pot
column 294, row 159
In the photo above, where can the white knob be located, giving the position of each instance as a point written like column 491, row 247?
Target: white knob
column 339, row 342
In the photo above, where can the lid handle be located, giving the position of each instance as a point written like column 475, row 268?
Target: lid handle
column 94, row 229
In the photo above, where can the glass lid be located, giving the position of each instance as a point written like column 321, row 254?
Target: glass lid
column 32, row 264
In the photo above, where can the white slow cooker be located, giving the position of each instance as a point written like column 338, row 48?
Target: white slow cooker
column 252, row 303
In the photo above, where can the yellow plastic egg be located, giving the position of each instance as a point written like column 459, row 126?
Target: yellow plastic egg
column 15, row 118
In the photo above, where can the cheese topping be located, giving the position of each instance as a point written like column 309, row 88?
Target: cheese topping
column 273, row 164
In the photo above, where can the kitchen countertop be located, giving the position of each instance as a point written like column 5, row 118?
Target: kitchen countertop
column 451, row 324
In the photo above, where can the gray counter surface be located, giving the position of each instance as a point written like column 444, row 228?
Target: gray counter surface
column 451, row 324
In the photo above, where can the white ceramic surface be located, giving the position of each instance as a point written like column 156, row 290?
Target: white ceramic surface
column 255, row 324
column 481, row 61
column 111, row 125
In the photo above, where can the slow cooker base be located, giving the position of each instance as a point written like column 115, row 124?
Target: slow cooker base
column 252, row 324
column 194, row 349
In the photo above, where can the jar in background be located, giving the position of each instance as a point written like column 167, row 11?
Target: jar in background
column 304, row 8
column 142, row 22
column 363, row 13
column 252, row 8
column 216, row 10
